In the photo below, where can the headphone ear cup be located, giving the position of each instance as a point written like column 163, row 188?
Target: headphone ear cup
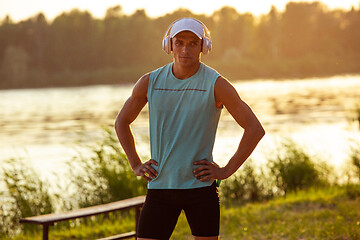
column 167, row 45
column 206, row 48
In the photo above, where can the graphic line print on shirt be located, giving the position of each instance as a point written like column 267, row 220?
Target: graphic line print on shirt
column 180, row 90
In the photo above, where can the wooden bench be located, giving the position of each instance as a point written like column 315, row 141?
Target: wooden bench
column 49, row 219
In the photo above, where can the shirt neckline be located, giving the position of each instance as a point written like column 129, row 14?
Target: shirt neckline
column 186, row 79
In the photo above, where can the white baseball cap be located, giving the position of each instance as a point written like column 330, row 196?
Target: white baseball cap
column 187, row 24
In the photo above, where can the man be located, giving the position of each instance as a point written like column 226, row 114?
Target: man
column 185, row 99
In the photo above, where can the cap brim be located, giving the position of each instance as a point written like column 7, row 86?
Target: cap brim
column 185, row 29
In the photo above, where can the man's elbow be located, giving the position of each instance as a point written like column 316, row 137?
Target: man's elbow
column 261, row 132
column 119, row 122
column 258, row 131
column 116, row 124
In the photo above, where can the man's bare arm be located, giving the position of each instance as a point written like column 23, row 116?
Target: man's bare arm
column 245, row 117
column 131, row 109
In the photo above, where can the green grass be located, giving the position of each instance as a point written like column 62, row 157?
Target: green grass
column 328, row 213
column 313, row 214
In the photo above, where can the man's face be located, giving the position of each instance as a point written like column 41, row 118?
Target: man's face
column 186, row 47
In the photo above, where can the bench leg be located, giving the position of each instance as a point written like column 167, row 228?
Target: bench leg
column 137, row 216
column 45, row 232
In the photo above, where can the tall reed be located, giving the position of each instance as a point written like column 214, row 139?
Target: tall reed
column 25, row 195
column 357, row 115
column 355, row 161
column 103, row 175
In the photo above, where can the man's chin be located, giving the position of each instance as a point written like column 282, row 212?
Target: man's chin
column 186, row 61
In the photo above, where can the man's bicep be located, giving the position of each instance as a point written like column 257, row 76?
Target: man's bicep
column 135, row 103
column 131, row 109
column 226, row 93
column 229, row 97
column 141, row 87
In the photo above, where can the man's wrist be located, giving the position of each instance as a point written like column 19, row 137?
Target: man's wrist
column 226, row 171
column 135, row 163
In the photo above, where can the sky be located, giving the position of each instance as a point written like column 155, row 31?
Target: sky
column 23, row 9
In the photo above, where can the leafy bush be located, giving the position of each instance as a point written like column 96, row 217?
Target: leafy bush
column 292, row 169
column 104, row 175
column 353, row 191
column 355, row 161
column 245, row 185
column 356, row 114
column 25, row 195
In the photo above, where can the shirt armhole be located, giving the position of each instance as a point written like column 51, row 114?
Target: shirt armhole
column 217, row 104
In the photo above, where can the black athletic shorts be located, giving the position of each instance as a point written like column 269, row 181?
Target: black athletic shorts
column 162, row 208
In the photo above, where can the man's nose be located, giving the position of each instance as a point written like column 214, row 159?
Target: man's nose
column 185, row 48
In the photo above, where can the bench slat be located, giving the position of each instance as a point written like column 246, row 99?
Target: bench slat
column 120, row 236
column 85, row 212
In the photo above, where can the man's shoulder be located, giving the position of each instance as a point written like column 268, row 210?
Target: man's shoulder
column 157, row 70
column 210, row 73
column 146, row 76
column 210, row 69
column 141, row 86
column 222, row 82
column 161, row 71
column 143, row 80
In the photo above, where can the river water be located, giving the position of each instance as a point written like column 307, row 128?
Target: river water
column 43, row 126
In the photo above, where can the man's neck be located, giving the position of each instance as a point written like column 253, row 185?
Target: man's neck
column 184, row 72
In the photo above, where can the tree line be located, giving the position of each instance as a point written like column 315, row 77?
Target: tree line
column 306, row 39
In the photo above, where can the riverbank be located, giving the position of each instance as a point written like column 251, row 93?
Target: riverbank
column 244, row 70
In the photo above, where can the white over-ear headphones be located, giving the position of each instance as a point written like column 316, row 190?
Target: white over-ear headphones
column 206, row 45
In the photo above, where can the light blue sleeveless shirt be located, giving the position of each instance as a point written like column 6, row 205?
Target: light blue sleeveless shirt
column 183, row 121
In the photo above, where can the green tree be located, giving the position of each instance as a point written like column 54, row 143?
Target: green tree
column 74, row 38
column 306, row 39
column 268, row 35
column 7, row 34
column 39, row 37
column 114, row 38
column 142, row 43
column 227, row 33
column 299, row 28
column 351, row 38
column 15, row 66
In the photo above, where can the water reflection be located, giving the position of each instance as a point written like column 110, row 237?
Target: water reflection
column 43, row 124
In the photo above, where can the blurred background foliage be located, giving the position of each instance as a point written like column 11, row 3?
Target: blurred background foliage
column 24, row 195
column 306, row 39
column 103, row 176
column 106, row 176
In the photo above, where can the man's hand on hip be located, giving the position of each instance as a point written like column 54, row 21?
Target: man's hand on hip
column 209, row 171
column 146, row 171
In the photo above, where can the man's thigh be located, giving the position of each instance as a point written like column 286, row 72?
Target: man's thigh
column 158, row 216
column 203, row 213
